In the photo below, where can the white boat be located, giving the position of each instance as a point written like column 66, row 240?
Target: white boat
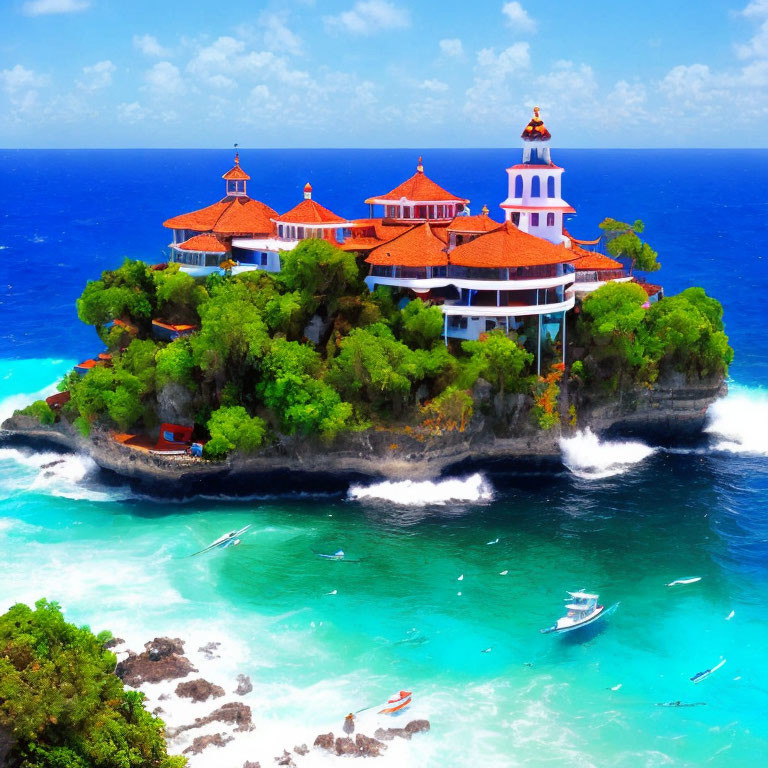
column 582, row 609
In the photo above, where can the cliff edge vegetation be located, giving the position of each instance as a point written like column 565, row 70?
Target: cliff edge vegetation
column 62, row 706
column 309, row 351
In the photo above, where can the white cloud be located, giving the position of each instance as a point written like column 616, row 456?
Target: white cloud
column 756, row 9
column 366, row 17
column 20, row 78
column 495, row 91
column 436, row 86
column 757, row 46
column 131, row 112
column 164, row 79
column 278, row 36
column 149, row 46
column 518, row 18
column 46, row 7
column 98, row 76
column 451, row 47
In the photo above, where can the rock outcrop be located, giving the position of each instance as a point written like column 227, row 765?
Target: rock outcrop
column 244, row 685
column 202, row 742
column 325, row 741
column 161, row 660
column 233, row 713
column 199, row 690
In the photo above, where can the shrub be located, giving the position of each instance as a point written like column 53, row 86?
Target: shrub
column 62, row 703
column 41, row 411
column 232, row 429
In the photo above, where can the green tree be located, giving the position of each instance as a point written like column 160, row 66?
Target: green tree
column 614, row 329
column 622, row 241
column 293, row 388
column 422, row 325
column 124, row 292
column 175, row 363
column 499, row 359
column 232, row 429
column 321, row 274
column 62, row 703
column 177, row 295
column 39, row 410
column 687, row 332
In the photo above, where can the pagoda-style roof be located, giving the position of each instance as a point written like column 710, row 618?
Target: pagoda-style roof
column 310, row 212
column 535, row 130
column 417, row 247
column 481, row 223
column 236, row 173
column 580, row 242
column 203, row 244
column 418, row 189
column 373, row 233
column 507, row 246
column 239, row 215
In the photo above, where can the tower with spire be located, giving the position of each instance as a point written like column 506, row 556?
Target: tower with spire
column 236, row 178
column 534, row 202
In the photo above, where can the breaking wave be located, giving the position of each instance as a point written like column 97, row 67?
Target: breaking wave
column 421, row 493
column 589, row 457
column 69, row 476
column 737, row 423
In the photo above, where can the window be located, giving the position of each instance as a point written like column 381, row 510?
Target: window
column 534, row 219
column 440, row 211
column 406, row 212
column 301, row 233
column 551, row 186
column 550, row 219
column 280, row 231
column 391, row 211
column 518, row 186
column 264, row 259
column 535, row 187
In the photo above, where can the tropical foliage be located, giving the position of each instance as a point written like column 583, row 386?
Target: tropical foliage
column 62, row 703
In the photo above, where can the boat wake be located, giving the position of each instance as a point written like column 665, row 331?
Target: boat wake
column 737, row 422
column 589, row 457
column 413, row 493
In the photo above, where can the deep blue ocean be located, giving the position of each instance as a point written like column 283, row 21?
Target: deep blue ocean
column 319, row 638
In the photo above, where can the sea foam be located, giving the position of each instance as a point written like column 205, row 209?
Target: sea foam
column 420, row 493
column 587, row 456
column 738, row 422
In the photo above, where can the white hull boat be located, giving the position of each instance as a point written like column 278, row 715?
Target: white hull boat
column 583, row 609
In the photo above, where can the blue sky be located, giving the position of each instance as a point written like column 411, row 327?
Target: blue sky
column 382, row 73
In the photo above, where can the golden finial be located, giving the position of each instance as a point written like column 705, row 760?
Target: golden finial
column 420, row 166
column 485, row 210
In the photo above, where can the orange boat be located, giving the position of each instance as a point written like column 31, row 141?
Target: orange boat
column 396, row 703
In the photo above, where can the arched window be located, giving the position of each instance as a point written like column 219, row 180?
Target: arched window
column 518, row 186
column 551, row 186
column 535, row 187
column 550, row 219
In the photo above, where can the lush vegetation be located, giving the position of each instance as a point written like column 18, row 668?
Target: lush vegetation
column 627, row 343
column 41, row 411
column 61, row 702
column 310, row 351
column 623, row 241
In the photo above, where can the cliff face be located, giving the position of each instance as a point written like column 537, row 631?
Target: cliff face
column 672, row 410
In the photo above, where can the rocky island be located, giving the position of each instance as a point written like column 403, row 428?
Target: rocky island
column 398, row 346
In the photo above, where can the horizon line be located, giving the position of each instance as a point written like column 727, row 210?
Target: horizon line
column 368, row 149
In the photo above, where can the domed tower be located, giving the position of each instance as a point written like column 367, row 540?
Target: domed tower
column 534, row 202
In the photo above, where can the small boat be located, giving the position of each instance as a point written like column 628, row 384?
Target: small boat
column 582, row 609
column 699, row 676
column 397, row 702
column 338, row 555
column 231, row 539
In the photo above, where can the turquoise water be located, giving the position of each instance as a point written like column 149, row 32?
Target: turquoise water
column 319, row 638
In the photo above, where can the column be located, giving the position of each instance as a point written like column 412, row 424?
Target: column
column 538, row 353
column 563, row 337
column 445, row 329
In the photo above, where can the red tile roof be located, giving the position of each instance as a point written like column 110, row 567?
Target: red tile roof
column 204, row 244
column 310, row 212
column 419, row 188
column 481, row 223
column 587, row 260
column 417, row 247
column 230, row 216
column 236, row 173
column 507, row 246
column 535, row 130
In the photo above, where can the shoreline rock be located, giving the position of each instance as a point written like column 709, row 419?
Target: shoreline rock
column 161, row 660
column 198, row 690
column 674, row 409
